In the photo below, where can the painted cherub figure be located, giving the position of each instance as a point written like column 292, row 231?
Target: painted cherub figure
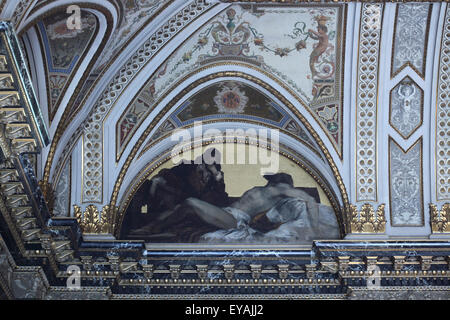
column 322, row 46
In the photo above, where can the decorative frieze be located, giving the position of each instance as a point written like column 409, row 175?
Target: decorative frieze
column 399, row 293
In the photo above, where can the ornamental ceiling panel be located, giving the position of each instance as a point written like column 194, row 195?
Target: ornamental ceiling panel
column 406, row 184
column 63, row 50
column 411, row 37
column 406, row 107
column 393, row 243
column 301, row 51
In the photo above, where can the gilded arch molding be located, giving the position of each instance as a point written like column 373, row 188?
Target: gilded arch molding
column 151, row 142
column 137, row 146
column 215, row 76
column 120, row 150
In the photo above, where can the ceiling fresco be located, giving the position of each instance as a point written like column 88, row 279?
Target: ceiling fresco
column 64, row 50
column 308, row 38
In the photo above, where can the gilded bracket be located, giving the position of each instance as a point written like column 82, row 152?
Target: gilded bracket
column 367, row 220
column 94, row 222
column 440, row 218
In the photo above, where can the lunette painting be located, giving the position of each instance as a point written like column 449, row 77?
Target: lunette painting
column 203, row 202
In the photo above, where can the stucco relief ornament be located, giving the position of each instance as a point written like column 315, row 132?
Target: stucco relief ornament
column 406, row 92
column 231, row 100
column 410, row 38
column 406, row 108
